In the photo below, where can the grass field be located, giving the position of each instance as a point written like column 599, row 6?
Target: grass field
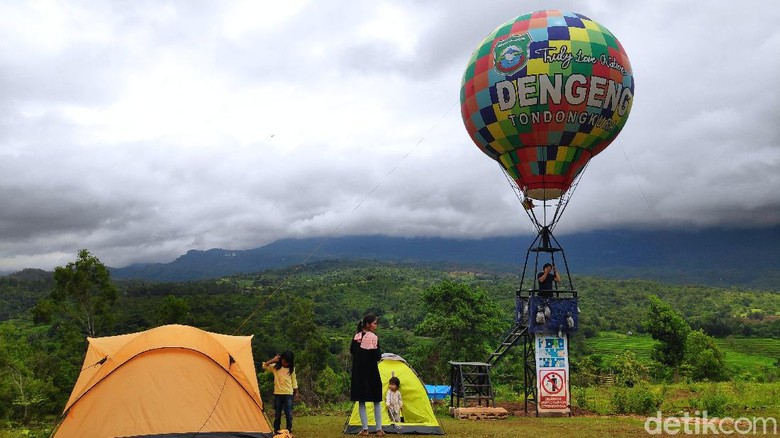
column 332, row 426
column 324, row 426
column 732, row 399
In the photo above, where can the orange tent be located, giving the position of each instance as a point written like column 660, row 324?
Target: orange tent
column 174, row 380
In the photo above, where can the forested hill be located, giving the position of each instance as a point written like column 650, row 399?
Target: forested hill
column 43, row 337
column 717, row 257
column 341, row 290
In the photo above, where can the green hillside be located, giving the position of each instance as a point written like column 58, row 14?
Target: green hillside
column 324, row 300
column 340, row 290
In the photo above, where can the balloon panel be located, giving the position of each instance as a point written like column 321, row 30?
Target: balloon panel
column 543, row 94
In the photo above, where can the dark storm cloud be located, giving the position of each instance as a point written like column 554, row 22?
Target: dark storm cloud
column 142, row 130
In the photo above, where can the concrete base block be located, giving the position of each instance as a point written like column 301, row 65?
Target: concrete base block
column 479, row 413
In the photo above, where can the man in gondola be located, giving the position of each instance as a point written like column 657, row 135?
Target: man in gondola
column 548, row 279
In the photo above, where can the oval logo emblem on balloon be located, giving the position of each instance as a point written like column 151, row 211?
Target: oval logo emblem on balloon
column 510, row 53
column 543, row 94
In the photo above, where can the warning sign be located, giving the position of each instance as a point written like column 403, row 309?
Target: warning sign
column 553, row 390
column 552, row 383
column 552, row 373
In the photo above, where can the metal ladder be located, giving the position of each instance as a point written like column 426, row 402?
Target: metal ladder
column 470, row 383
column 517, row 332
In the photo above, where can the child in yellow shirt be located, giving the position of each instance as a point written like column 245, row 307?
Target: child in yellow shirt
column 285, row 386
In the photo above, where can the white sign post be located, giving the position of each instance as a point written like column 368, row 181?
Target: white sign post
column 552, row 373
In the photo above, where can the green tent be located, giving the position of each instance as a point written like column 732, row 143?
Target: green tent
column 417, row 411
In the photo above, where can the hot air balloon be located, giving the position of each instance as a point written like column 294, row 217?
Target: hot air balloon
column 542, row 95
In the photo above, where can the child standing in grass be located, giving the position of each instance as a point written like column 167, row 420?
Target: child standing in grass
column 285, row 386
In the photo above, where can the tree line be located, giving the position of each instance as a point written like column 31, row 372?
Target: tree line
column 429, row 316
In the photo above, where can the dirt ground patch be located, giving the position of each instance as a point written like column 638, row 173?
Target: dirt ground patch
column 517, row 409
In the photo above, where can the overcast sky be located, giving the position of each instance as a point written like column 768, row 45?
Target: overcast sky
column 143, row 129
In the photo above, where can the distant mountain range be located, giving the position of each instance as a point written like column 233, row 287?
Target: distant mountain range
column 723, row 257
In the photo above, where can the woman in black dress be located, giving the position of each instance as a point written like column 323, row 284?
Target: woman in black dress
column 366, row 383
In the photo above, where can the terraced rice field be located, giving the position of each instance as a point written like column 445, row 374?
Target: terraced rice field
column 611, row 344
column 741, row 354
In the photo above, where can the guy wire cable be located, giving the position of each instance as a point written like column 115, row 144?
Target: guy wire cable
column 564, row 200
column 326, row 239
column 528, row 211
column 631, row 168
column 343, row 221
column 216, row 403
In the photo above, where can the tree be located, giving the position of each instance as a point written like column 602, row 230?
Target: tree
column 24, row 386
column 462, row 319
column 630, row 370
column 703, row 358
column 670, row 329
column 84, row 290
column 297, row 328
column 174, row 310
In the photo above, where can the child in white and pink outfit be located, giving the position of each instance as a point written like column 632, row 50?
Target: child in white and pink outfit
column 394, row 401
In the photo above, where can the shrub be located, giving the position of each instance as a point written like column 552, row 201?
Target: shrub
column 592, row 399
column 712, row 400
column 331, row 386
column 636, row 400
column 586, row 370
column 630, row 370
column 580, row 397
column 442, row 407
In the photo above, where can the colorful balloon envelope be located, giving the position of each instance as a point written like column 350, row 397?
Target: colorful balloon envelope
column 543, row 94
